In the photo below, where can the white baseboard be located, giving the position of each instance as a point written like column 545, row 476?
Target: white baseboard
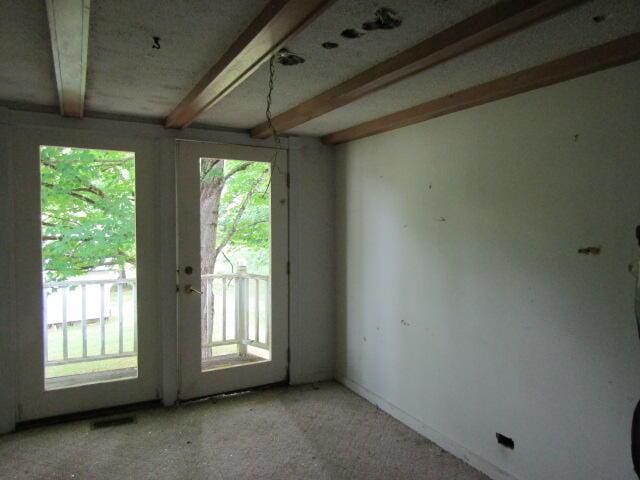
column 436, row 437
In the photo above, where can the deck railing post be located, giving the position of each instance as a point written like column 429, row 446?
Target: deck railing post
column 257, row 308
column 267, row 301
column 134, row 301
column 120, row 318
column 83, row 290
column 241, row 309
column 45, row 326
column 65, row 333
column 224, row 309
column 102, row 319
column 210, row 311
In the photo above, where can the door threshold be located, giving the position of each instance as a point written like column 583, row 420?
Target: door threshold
column 233, row 393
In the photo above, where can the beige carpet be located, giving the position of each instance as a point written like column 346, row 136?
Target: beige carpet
column 308, row 432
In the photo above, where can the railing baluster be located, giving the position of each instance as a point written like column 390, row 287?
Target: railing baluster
column 210, row 311
column 236, row 310
column 102, row 319
column 267, row 337
column 120, row 318
column 45, row 327
column 134, row 300
column 83, row 291
column 224, row 309
column 241, row 311
column 65, row 338
column 242, row 337
column 204, row 322
column 257, row 307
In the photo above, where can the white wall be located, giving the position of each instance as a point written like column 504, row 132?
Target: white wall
column 463, row 306
column 312, row 257
column 311, row 200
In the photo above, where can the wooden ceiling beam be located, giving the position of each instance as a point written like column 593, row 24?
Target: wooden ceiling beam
column 69, row 28
column 277, row 23
column 611, row 54
column 503, row 18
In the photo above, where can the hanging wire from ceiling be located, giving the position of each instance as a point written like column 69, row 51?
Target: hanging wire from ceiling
column 272, row 75
column 268, row 114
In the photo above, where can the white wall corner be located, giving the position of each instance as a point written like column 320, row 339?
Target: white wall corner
column 312, row 259
column 426, row 431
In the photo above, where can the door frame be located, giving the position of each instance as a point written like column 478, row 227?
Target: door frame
column 193, row 383
column 33, row 401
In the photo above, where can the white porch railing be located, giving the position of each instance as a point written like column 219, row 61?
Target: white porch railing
column 87, row 303
column 235, row 311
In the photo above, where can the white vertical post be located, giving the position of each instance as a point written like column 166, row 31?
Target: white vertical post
column 120, row 318
column 102, row 339
column 241, row 309
column 257, row 307
column 134, row 300
column 65, row 333
column 83, row 290
column 45, row 326
column 224, row 309
column 210, row 311
column 268, row 314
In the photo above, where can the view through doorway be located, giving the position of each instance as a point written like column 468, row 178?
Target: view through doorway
column 235, row 262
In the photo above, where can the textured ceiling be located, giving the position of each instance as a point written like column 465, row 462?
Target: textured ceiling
column 562, row 35
column 126, row 76
column 27, row 75
column 245, row 106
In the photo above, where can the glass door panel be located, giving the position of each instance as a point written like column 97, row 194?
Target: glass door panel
column 232, row 267
column 235, row 262
column 88, row 223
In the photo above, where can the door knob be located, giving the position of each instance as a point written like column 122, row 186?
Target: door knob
column 192, row 289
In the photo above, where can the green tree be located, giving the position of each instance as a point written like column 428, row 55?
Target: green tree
column 88, row 210
column 234, row 209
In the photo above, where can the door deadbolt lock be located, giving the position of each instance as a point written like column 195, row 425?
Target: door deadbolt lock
column 188, row 269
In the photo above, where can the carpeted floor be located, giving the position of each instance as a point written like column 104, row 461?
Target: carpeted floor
column 308, row 432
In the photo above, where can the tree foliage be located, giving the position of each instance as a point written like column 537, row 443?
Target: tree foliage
column 245, row 209
column 234, row 214
column 88, row 210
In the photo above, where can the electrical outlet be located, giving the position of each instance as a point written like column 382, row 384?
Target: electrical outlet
column 505, row 441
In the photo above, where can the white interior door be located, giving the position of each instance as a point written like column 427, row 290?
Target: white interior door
column 232, row 267
column 85, row 271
